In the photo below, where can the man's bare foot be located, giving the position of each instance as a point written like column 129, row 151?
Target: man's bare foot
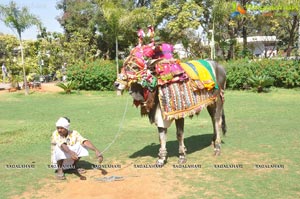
column 60, row 176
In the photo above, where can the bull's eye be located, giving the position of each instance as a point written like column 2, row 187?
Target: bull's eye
column 135, row 68
column 132, row 67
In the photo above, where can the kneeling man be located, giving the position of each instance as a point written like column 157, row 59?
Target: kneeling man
column 67, row 146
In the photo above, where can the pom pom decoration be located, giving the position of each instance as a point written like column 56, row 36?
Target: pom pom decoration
column 234, row 14
column 241, row 10
column 238, row 10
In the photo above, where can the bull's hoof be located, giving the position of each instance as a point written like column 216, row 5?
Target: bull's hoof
column 182, row 160
column 161, row 162
column 217, row 149
column 217, row 152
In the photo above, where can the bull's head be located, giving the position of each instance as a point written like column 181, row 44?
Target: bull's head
column 131, row 72
column 137, row 70
column 138, row 77
column 130, row 78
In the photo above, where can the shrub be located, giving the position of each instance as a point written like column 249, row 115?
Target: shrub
column 98, row 75
column 284, row 73
column 68, row 86
column 260, row 83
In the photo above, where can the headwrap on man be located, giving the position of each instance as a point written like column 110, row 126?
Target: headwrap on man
column 63, row 122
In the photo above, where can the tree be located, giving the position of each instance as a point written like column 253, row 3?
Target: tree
column 216, row 22
column 117, row 20
column 129, row 23
column 142, row 3
column 176, row 17
column 97, row 21
column 288, row 20
column 78, row 16
column 7, row 45
column 19, row 19
column 112, row 14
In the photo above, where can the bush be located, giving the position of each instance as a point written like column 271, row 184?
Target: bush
column 260, row 83
column 68, row 86
column 284, row 73
column 98, row 75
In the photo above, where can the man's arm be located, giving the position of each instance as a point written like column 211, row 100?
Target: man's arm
column 66, row 149
column 90, row 145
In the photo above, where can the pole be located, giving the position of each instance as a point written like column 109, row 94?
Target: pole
column 40, row 62
column 298, row 50
column 212, row 43
column 117, row 55
column 119, row 93
column 213, row 37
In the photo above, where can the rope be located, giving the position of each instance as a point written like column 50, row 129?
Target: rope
column 120, row 127
column 138, row 73
column 114, row 178
column 110, row 179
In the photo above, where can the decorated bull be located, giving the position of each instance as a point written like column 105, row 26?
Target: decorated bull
column 166, row 89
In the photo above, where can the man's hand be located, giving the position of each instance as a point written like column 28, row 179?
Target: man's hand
column 66, row 149
column 90, row 145
column 99, row 156
column 73, row 155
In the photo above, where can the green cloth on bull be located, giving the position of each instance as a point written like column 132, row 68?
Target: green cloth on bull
column 149, row 83
column 200, row 70
column 208, row 66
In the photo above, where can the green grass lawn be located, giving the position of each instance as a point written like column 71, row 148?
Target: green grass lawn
column 262, row 129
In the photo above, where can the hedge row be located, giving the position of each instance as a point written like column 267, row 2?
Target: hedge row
column 99, row 75
column 283, row 73
column 241, row 74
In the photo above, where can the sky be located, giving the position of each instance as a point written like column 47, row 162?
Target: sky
column 44, row 9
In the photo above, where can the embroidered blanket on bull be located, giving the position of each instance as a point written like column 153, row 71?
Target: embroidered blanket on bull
column 178, row 100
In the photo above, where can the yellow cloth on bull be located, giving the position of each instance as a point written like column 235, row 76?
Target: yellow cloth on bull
column 197, row 71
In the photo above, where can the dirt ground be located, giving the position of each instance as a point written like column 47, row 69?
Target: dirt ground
column 129, row 182
column 134, row 184
column 45, row 87
column 50, row 87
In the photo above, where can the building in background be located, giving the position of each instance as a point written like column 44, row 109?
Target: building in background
column 262, row 46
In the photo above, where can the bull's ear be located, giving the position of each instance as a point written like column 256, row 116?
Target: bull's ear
column 123, row 70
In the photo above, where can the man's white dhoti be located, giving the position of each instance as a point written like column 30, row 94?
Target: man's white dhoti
column 68, row 162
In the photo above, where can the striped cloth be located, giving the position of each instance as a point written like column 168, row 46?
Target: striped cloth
column 200, row 70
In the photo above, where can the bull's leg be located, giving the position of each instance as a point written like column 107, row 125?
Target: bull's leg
column 215, row 112
column 180, row 137
column 224, row 126
column 222, row 98
column 163, row 149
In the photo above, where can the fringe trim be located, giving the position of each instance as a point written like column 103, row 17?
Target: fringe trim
column 178, row 100
column 196, row 109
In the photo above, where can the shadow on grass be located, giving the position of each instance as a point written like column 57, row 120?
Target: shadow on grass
column 86, row 166
column 192, row 143
column 89, row 166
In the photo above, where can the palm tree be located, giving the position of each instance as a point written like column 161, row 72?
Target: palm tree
column 18, row 19
column 113, row 13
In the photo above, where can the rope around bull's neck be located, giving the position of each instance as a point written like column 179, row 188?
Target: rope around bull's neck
column 119, row 130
